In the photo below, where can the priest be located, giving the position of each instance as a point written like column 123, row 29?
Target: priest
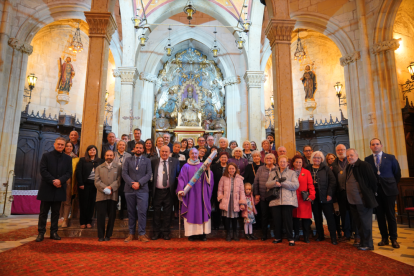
column 196, row 206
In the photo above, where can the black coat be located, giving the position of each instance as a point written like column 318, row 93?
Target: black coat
column 131, row 146
column 367, row 181
column 249, row 174
column 54, row 165
column 174, row 170
column 84, row 169
column 326, row 182
column 217, row 170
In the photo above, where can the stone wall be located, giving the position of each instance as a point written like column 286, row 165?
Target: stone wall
column 50, row 44
column 404, row 55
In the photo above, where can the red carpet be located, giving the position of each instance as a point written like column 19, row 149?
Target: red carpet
column 19, row 234
column 82, row 256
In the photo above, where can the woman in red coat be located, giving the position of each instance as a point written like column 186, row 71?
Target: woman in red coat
column 304, row 210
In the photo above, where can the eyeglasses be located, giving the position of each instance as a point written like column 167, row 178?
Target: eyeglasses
column 307, row 150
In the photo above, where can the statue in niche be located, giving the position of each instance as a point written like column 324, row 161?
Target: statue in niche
column 162, row 122
column 309, row 83
column 170, row 105
column 208, row 121
column 208, row 106
column 66, row 74
column 218, row 123
column 189, row 109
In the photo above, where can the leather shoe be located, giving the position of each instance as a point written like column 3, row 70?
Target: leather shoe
column 247, row 236
column 395, row 244
column 365, row 248
column 320, row 239
column 156, row 236
column 55, row 236
column 253, row 237
column 167, row 237
column 383, row 242
column 101, row 239
column 191, row 238
column 357, row 242
column 306, row 239
column 291, row 244
column 334, row 241
column 40, row 237
column 277, row 241
column 107, row 239
column 203, row 237
column 264, row 238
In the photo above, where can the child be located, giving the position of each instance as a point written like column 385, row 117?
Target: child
column 249, row 213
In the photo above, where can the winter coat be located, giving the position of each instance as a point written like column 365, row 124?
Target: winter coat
column 304, row 209
column 224, row 189
column 326, row 182
column 287, row 190
column 259, row 184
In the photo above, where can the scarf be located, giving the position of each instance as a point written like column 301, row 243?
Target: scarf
column 192, row 162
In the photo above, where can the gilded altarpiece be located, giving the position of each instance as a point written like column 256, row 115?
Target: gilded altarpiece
column 190, row 98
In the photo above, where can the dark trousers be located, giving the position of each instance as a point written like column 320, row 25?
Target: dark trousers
column 230, row 222
column 215, row 213
column 264, row 207
column 162, row 199
column 328, row 211
column 103, row 208
column 282, row 217
column 348, row 223
column 306, row 224
column 386, row 213
column 45, row 206
column 363, row 219
column 87, row 198
column 122, row 195
column 137, row 200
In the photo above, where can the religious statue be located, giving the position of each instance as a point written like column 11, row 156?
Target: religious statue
column 207, row 121
column 171, row 103
column 66, row 74
column 208, row 104
column 309, row 83
column 189, row 109
column 162, row 122
column 218, row 123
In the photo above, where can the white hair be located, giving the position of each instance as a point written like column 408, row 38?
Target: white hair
column 236, row 148
column 354, row 150
column 256, row 152
column 318, row 152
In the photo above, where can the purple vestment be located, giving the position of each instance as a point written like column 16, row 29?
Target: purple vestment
column 196, row 207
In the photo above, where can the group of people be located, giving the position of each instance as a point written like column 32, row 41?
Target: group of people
column 240, row 184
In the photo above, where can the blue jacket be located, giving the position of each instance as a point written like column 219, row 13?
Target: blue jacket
column 142, row 175
column 390, row 173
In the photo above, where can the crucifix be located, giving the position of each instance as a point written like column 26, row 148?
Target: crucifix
column 131, row 118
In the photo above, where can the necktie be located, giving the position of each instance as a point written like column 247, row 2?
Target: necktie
column 378, row 161
column 165, row 175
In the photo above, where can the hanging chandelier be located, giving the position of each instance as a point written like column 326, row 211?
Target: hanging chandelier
column 76, row 44
column 300, row 52
column 189, row 10
column 240, row 42
column 215, row 49
column 169, row 48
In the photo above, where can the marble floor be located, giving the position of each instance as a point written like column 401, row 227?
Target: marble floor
column 404, row 254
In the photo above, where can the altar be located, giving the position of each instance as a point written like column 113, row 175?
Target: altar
column 190, row 97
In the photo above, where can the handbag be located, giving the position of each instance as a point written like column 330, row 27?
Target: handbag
column 305, row 195
column 273, row 193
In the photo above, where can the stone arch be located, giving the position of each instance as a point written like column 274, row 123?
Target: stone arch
column 385, row 21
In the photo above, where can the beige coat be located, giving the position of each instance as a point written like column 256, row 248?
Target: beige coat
column 287, row 191
column 105, row 177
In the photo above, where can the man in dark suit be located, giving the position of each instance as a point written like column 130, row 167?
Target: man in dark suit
column 111, row 145
column 167, row 138
column 388, row 175
column 55, row 169
column 165, row 171
column 137, row 138
column 136, row 171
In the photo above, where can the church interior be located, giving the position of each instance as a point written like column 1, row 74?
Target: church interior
column 235, row 69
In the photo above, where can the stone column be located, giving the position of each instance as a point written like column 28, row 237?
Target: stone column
column 15, row 54
column 147, row 101
column 279, row 33
column 254, row 81
column 101, row 27
column 129, row 76
column 388, row 102
column 117, row 101
column 233, row 126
